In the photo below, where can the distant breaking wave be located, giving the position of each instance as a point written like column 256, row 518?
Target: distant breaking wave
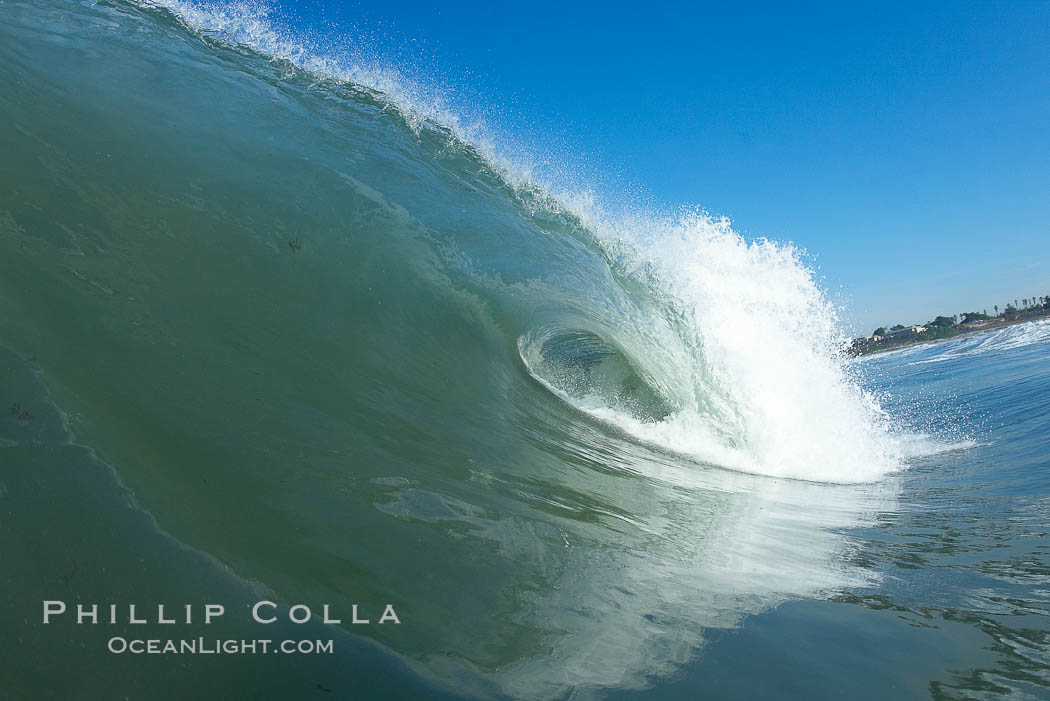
column 1003, row 339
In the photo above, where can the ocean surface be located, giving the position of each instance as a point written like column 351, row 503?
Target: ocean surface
column 276, row 324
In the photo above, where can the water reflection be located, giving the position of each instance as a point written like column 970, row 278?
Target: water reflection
column 623, row 557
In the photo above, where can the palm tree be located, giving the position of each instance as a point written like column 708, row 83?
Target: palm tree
column 996, row 309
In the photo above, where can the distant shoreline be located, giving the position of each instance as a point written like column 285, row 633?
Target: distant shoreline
column 859, row 348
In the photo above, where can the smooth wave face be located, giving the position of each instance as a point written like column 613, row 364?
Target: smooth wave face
column 335, row 338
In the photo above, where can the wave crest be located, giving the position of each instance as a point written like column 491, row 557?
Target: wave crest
column 735, row 347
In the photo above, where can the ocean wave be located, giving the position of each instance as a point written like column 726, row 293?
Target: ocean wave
column 1004, row 339
column 735, row 337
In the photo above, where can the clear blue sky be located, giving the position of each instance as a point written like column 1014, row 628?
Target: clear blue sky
column 906, row 146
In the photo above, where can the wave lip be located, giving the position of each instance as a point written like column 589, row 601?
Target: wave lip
column 748, row 384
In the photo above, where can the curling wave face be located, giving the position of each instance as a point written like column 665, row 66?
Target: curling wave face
column 734, row 340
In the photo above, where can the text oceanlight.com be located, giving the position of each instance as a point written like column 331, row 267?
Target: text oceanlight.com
column 203, row 646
